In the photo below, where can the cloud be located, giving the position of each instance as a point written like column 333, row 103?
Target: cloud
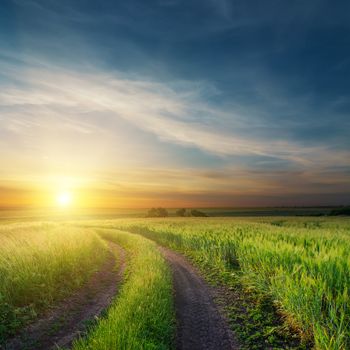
column 191, row 187
column 231, row 103
column 53, row 98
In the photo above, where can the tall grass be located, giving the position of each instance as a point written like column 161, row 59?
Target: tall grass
column 40, row 264
column 306, row 271
column 142, row 317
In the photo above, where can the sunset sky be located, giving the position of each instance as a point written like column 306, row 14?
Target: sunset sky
column 175, row 102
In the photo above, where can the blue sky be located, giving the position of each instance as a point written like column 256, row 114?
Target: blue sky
column 205, row 103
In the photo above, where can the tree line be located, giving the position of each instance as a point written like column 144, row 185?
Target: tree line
column 182, row 212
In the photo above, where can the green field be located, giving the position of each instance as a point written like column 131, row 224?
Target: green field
column 290, row 274
column 41, row 263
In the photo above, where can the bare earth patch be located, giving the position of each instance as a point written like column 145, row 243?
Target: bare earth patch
column 200, row 324
column 69, row 319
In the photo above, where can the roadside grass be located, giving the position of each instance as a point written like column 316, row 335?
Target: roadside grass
column 252, row 315
column 41, row 264
column 142, row 316
column 301, row 272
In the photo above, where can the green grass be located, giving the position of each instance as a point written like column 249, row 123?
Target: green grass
column 304, row 269
column 40, row 264
column 142, row 316
column 298, row 267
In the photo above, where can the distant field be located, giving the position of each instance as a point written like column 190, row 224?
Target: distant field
column 111, row 213
column 286, row 279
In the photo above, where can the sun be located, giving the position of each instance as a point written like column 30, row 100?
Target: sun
column 64, row 198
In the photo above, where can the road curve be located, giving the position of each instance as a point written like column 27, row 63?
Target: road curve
column 200, row 325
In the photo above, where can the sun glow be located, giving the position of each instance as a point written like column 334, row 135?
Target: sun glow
column 64, row 199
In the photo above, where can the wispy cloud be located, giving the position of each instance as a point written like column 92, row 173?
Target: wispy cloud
column 56, row 98
column 193, row 187
column 246, row 100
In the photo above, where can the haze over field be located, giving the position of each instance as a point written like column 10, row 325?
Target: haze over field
column 174, row 103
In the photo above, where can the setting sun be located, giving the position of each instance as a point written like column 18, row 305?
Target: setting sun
column 64, row 199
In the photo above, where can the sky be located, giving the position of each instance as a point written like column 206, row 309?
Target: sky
column 175, row 103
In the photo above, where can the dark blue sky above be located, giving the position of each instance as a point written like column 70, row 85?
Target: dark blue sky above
column 234, row 87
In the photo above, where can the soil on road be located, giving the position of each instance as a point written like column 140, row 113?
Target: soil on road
column 200, row 324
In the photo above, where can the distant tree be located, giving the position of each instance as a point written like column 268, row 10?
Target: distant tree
column 195, row 212
column 162, row 213
column 157, row 213
column 340, row 211
column 181, row 212
column 151, row 213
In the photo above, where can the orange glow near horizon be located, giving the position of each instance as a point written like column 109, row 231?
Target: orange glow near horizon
column 129, row 187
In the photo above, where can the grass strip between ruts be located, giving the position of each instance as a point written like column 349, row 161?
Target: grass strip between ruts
column 142, row 316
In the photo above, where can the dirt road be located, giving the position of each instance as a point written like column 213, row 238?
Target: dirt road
column 69, row 318
column 200, row 325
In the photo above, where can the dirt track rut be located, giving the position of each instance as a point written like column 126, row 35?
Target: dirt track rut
column 68, row 319
column 200, row 325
